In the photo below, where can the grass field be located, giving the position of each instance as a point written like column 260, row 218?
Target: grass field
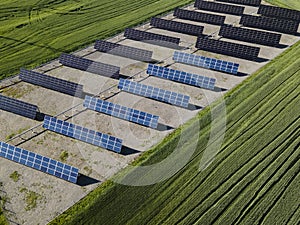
column 253, row 180
column 293, row 4
column 33, row 32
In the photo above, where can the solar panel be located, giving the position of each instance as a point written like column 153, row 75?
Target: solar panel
column 181, row 77
column 39, row 162
column 122, row 112
column 18, row 107
column 89, row 65
column 248, row 35
column 154, row 93
column 228, row 48
column 209, row 63
column 273, row 24
column 277, row 12
column 243, row 2
column 184, row 28
column 219, row 7
column 199, row 16
column 152, row 38
column 124, row 51
column 83, row 134
column 52, row 83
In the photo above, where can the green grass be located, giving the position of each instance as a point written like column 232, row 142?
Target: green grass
column 63, row 156
column 30, row 198
column 15, row 176
column 3, row 220
column 292, row 4
column 253, row 180
column 33, row 32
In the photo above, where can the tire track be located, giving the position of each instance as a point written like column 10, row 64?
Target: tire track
column 212, row 190
column 231, row 188
column 282, row 198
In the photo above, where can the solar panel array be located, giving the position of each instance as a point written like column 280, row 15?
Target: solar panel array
column 52, row 83
column 184, row 28
column 219, row 7
column 151, row 37
column 227, row 48
column 248, row 35
column 206, row 62
column 181, row 76
column 273, row 24
column 83, row 134
column 243, row 2
column 277, row 12
column 124, row 51
column 154, row 93
column 199, row 16
column 89, row 65
column 122, row 112
column 39, row 162
column 18, row 107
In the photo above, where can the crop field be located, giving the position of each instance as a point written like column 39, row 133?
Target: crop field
column 253, row 180
column 293, row 4
column 33, row 32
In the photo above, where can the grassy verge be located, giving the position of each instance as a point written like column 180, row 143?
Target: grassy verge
column 3, row 220
column 33, row 33
column 292, row 4
column 253, row 174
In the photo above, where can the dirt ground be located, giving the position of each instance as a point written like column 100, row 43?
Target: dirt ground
column 53, row 196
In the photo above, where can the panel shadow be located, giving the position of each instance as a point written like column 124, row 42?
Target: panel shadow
column 84, row 180
column 128, row 151
column 163, row 127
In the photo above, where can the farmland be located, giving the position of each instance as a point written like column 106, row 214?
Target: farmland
column 33, row 32
column 253, row 180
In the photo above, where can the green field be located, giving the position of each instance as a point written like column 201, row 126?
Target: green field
column 293, row 4
column 253, row 180
column 33, row 32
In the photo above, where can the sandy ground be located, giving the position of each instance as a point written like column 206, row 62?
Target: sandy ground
column 55, row 195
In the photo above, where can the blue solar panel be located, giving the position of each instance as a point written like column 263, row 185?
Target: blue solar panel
column 154, row 93
column 122, row 112
column 182, row 77
column 209, row 63
column 39, row 162
column 83, row 134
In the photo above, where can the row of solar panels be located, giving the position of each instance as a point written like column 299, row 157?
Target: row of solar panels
column 195, row 60
column 227, row 31
column 243, row 34
column 264, row 10
column 265, row 23
column 223, row 47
